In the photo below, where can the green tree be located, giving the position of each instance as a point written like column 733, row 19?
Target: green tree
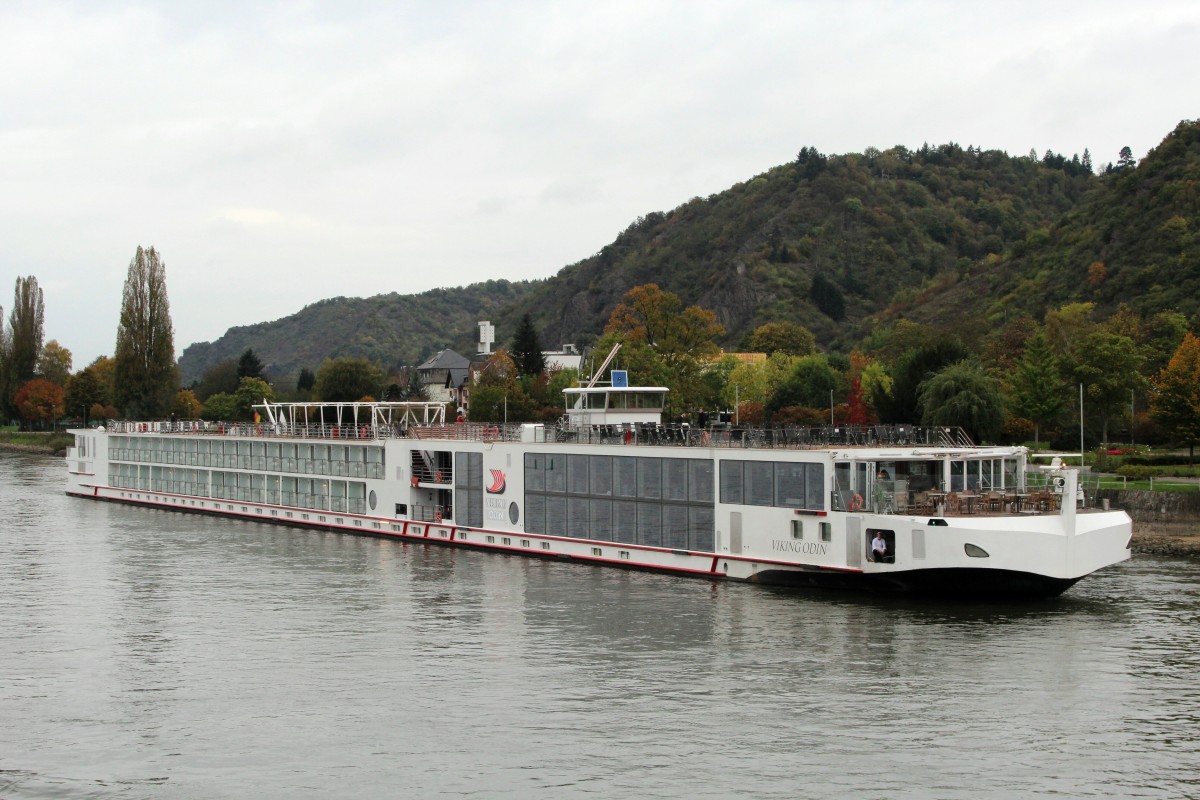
column 1067, row 325
column 306, row 381
column 783, row 337
column 83, row 391
column 4, row 354
column 249, row 365
column 488, row 404
column 903, row 405
column 963, row 394
column 1038, row 391
column 24, row 340
column 527, row 349
column 809, row 384
column 104, row 369
column 146, row 376
column 347, row 379
column 1175, row 403
column 827, row 297
column 251, row 392
column 54, row 364
column 221, row 377
column 220, row 406
column 415, row 391
column 1109, row 367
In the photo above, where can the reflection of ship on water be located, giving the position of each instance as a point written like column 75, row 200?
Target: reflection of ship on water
column 883, row 508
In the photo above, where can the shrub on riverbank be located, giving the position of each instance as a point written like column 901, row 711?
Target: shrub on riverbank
column 49, row 442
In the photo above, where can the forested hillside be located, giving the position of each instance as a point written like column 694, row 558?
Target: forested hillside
column 952, row 237
column 391, row 330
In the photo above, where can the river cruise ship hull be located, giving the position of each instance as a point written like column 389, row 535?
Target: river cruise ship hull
column 884, row 508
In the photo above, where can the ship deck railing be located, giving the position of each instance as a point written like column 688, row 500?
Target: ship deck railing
column 672, row 435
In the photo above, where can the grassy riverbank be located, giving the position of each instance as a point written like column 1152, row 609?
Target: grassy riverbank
column 36, row 441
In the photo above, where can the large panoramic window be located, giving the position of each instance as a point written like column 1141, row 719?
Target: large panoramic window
column 657, row 502
column 782, row 484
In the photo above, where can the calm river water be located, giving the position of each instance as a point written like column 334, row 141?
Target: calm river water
column 157, row 654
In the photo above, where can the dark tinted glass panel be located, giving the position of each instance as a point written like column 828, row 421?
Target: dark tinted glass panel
column 759, row 484
column 700, row 481
column 731, row 481
column 650, row 524
column 535, row 478
column 602, row 477
column 625, row 476
column 675, row 527
column 649, row 478
column 675, row 478
column 625, row 521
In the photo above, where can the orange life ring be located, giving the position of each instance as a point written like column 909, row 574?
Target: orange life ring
column 856, row 502
column 438, row 478
column 437, row 515
column 415, row 481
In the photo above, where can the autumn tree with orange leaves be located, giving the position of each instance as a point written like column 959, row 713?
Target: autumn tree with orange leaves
column 1175, row 402
column 39, row 401
column 663, row 343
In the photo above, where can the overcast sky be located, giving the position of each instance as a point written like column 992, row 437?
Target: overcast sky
column 281, row 153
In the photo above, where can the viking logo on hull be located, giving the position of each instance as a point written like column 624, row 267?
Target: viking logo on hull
column 497, row 486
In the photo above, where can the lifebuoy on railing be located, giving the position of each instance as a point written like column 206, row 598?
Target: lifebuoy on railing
column 438, row 478
column 437, row 515
column 415, row 481
column 856, row 502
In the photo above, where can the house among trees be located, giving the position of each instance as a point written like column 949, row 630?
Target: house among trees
column 444, row 376
column 568, row 357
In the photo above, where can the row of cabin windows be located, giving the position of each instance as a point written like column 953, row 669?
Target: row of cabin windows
column 688, row 480
column 651, row 523
column 317, row 459
column 331, row 495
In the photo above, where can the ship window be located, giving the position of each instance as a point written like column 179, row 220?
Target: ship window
column 649, row 472
column 675, row 479
column 545, row 545
column 625, row 477
column 797, row 529
column 826, row 531
column 731, row 482
column 601, row 475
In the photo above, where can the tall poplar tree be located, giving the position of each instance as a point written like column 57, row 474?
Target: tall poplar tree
column 146, row 375
column 23, row 342
column 3, row 368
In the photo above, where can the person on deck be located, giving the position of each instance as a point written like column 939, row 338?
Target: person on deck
column 879, row 548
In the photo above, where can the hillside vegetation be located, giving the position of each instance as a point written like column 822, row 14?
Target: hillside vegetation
column 955, row 238
column 391, row 330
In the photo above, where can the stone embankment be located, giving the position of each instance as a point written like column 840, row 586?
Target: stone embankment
column 1164, row 523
